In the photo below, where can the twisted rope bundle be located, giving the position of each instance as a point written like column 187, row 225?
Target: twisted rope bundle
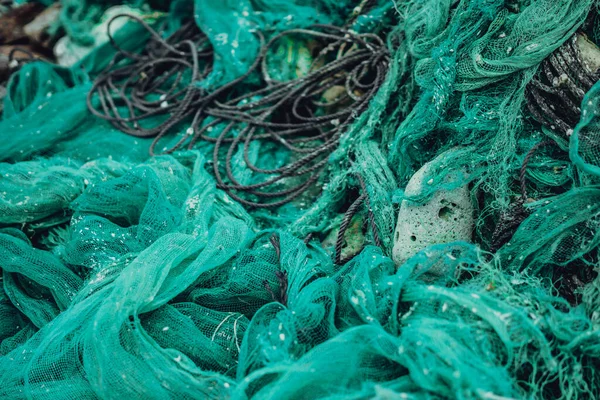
column 303, row 117
column 157, row 82
column 296, row 116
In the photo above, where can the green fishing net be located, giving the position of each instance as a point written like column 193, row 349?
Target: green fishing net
column 126, row 276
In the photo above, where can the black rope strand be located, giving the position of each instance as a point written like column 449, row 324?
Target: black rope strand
column 291, row 116
column 282, row 276
column 148, row 93
column 157, row 82
column 349, row 214
column 517, row 213
column 554, row 95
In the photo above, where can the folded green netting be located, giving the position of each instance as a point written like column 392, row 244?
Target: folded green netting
column 126, row 276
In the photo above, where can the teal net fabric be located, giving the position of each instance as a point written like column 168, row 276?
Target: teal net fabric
column 126, row 276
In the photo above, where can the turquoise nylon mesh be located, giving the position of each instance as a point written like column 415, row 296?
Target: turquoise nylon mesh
column 126, row 276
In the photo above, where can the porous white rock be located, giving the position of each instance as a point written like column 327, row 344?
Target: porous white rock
column 445, row 218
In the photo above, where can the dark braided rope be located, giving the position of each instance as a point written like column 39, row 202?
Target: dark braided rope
column 311, row 138
column 525, row 164
column 517, row 213
column 348, row 215
column 287, row 114
column 282, row 276
column 374, row 229
column 554, row 95
column 364, row 198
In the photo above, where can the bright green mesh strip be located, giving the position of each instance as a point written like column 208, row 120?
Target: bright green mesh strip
column 129, row 277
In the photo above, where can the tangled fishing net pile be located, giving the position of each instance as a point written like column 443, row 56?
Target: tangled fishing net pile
column 292, row 199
